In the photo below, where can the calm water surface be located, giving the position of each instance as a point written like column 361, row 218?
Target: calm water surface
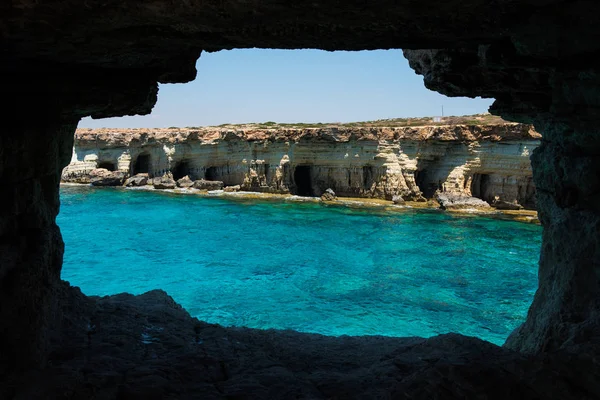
column 308, row 267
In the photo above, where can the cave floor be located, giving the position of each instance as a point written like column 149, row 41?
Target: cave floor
column 149, row 347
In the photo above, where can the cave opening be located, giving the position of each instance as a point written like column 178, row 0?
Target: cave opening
column 303, row 181
column 368, row 176
column 107, row 165
column 425, row 182
column 142, row 164
column 480, row 185
column 182, row 168
column 210, row 174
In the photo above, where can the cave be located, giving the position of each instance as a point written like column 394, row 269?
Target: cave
column 368, row 176
column 210, row 174
column 425, row 183
column 107, row 165
column 479, row 186
column 142, row 164
column 181, row 169
column 535, row 58
column 303, row 181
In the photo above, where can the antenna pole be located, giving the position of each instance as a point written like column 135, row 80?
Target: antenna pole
column 442, row 111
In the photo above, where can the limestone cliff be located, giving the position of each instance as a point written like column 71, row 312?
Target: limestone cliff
column 482, row 161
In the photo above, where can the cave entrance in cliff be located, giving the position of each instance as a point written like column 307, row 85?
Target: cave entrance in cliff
column 368, row 176
column 303, row 181
column 107, row 165
column 480, row 185
column 425, row 182
column 142, row 164
column 182, row 168
column 210, row 174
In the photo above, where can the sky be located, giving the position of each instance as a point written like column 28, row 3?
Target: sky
column 242, row 86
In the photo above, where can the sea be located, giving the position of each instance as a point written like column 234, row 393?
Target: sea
column 307, row 266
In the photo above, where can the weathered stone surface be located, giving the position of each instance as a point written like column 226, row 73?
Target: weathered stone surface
column 398, row 200
column 203, row 184
column 454, row 201
column 137, row 180
column 164, row 182
column 376, row 162
column 328, row 195
column 230, row 189
column 505, row 205
column 104, row 177
column 185, row 182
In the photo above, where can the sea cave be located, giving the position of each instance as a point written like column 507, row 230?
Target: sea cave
column 65, row 61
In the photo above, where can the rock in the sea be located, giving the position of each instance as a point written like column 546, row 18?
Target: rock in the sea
column 137, row 180
column 505, row 205
column 203, row 184
column 185, row 182
column 104, row 177
column 164, row 182
column 328, row 195
column 398, row 200
column 235, row 188
column 457, row 201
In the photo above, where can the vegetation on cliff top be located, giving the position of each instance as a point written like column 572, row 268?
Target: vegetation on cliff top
column 477, row 119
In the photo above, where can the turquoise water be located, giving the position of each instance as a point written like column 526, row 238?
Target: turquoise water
column 309, row 267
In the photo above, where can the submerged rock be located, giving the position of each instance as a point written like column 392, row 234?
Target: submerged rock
column 164, row 182
column 104, row 177
column 185, row 182
column 328, row 195
column 203, row 184
column 457, row 201
column 137, row 180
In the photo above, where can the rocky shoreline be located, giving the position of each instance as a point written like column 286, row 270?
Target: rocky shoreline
column 521, row 215
column 455, row 166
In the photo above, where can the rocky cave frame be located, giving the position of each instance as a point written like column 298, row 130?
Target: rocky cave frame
column 66, row 60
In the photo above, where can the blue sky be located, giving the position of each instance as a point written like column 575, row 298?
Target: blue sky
column 255, row 85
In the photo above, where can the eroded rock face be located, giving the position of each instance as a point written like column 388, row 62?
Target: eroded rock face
column 481, row 161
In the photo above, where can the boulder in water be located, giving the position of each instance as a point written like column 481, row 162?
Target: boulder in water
column 328, row 195
column 230, row 189
column 457, row 201
column 185, row 182
column 104, row 177
column 137, row 180
column 164, row 182
column 397, row 199
column 203, row 184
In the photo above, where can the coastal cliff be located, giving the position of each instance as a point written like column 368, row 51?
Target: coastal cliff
column 489, row 162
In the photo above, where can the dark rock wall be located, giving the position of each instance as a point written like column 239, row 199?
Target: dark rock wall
column 32, row 155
